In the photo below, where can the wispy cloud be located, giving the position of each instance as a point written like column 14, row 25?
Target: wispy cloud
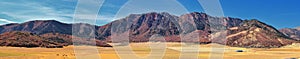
column 31, row 10
column 7, row 21
column 61, row 10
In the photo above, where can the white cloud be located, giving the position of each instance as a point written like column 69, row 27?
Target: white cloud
column 27, row 10
column 8, row 21
column 31, row 10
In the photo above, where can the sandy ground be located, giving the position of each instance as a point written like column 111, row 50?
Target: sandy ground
column 157, row 50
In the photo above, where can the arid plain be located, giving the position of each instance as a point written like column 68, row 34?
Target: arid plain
column 143, row 50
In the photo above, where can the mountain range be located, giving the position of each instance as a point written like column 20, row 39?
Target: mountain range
column 193, row 27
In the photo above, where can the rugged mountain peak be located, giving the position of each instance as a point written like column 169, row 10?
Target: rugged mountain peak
column 253, row 33
column 165, row 13
column 242, row 33
column 292, row 33
column 298, row 28
column 196, row 15
column 259, row 24
column 39, row 27
column 43, row 21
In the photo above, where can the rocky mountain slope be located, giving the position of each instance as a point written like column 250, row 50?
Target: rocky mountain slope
column 253, row 33
column 39, row 27
column 198, row 28
column 292, row 32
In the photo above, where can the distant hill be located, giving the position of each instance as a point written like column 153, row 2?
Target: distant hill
column 253, row 33
column 292, row 33
column 27, row 39
column 193, row 27
column 39, row 27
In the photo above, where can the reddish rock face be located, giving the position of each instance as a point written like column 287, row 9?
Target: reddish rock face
column 240, row 33
column 292, row 33
column 253, row 33
column 142, row 26
column 193, row 27
column 39, row 27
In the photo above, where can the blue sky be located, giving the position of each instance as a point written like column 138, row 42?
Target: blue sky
column 278, row 13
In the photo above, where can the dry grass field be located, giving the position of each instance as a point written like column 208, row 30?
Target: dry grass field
column 142, row 50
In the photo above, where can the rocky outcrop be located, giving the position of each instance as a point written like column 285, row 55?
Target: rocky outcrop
column 253, row 33
column 39, row 27
column 240, row 33
column 292, row 33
